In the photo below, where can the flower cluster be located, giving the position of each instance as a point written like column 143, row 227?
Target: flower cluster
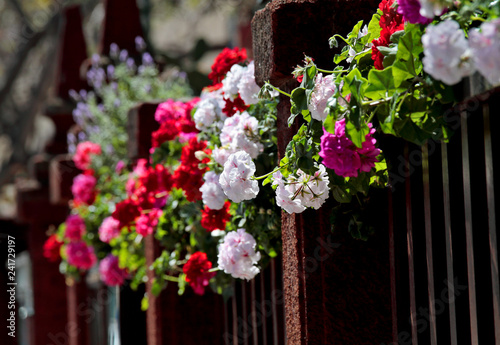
column 197, row 271
column 82, row 156
column 110, row 272
column 237, row 255
column 175, row 121
column 296, row 193
column 390, row 22
column 80, row 255
column 345, row 158
column 52, row 248
column 236, row 179
column 224, row 61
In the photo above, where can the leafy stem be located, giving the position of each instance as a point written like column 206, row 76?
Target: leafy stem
column 171, row 278
column 326, row 71
column 270, row 173
column 280, row 91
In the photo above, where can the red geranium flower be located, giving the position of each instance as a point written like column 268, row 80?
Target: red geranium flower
column 232, row 106
column 215, row 219
column 196, row 270
column 52, row 249
column 167, row 131
column 390, row 22
column 190, row 180
column 224, row 61
column 126, row 212
column 82, row 155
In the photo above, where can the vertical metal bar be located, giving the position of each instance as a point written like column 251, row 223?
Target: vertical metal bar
column 255, row 332
column 428, row 243
column 244, row 310
column 449, row 245
column 263, row 309
column 235, row 317
column 226, row 323
column 273, row 299
column 468, row 229
column 392, row 265
column 490, row 193
column 409, row 240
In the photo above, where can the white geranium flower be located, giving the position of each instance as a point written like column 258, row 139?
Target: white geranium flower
column 237, row 255
column 485, row 47
column 208, row 111
column 230, row 82
column 247, row 86
column 312, row 191
column 236, row 179
column 212, row 194
column 220, row 155
column 297, row 193
column 446, row 52
column 324, row 88
column 240, row 132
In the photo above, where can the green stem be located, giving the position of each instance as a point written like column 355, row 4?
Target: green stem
column 371, row 117
column 478, row 19
column 270, row 173
column 171, row 278
column 343, row 39
column 326, row 71
column 215, row 269
column 282, row 92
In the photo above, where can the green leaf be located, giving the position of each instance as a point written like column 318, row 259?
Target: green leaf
column 407, row 63
column 341, row 194
column 355, row 84
column 145, row 303
column 381, row 84
column 357, row 136
column 374, row 28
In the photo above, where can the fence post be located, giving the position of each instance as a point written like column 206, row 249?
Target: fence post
column 336, row 289
column 122, row 25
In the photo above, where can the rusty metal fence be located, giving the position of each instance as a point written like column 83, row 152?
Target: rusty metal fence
column 443, row 232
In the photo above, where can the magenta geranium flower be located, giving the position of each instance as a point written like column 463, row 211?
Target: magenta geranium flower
column 346, row 159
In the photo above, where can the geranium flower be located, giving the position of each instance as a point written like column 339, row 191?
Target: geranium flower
column 110, row 272
column 345, row 158
column 236, row 179
column 224, row 61
column 75, row 228
column 83, row 189
column 126, row 212
column 247, row 86
column 197, row 272
column 109, row 229
column 410, row 9
column 84, row 150
column 52, row 248
column 237, row 255
column 215, row 219
column 446, row 52
column 485, row 47
column 80, row 255
column 146, row 222
column 212, row 193
column 324, row 88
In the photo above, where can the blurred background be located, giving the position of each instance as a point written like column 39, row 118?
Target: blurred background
column 183, row 33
